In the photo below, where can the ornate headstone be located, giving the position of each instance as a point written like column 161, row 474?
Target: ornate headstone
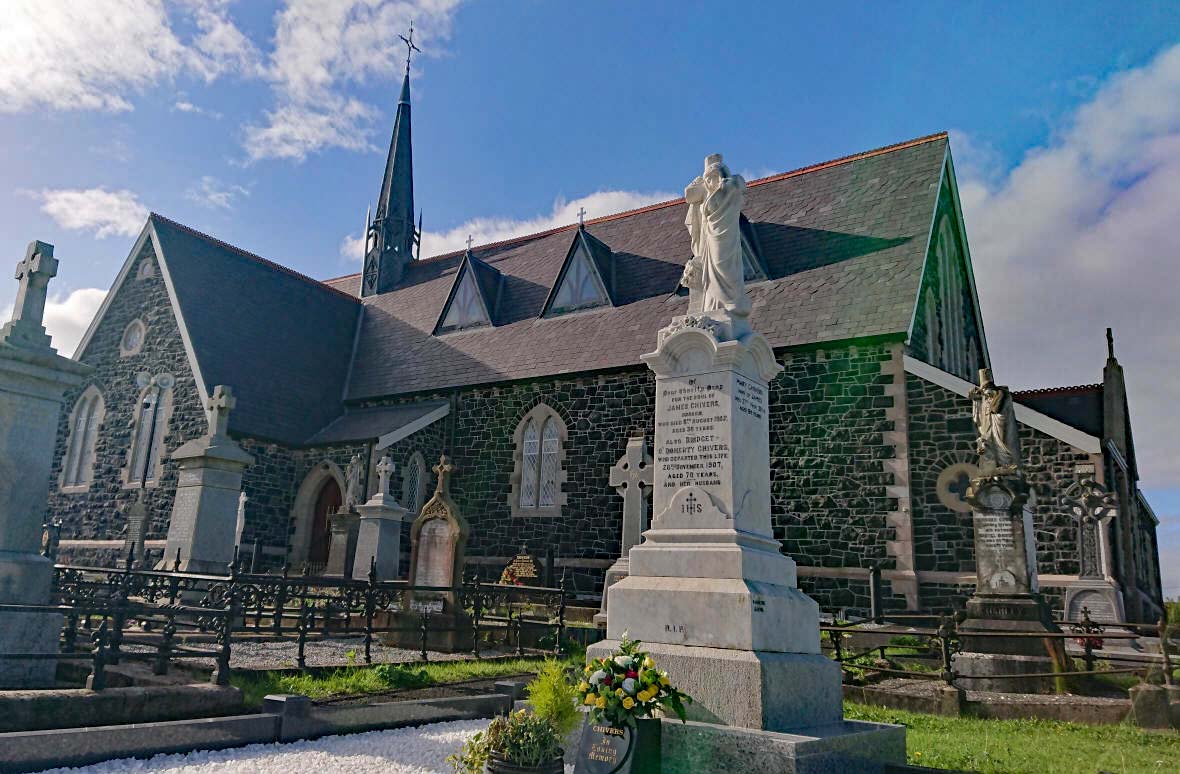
column 632, row 477
column 710, row 593
column 438, row 543
column 379, row 534
column 1093, row 508
column 208, row 488
column 33, row 382
column 1006, row 595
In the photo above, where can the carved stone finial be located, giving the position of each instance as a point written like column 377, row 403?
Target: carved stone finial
column 385, row 469
column 26, row 328
column 444, row 469
column 220, row 404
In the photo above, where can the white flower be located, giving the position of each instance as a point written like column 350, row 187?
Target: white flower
column 597, row 677
column 629, row 686
column 623, row 661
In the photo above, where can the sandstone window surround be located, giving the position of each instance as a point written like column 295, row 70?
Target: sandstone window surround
column 77, row 465
column 133, row 337
column 539, row 470
column 153, row 410
column 414, row 482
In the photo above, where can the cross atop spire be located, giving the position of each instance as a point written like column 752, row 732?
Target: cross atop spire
column 581, row 216
column 1110, row 343
column 410, row 47
column 469, row 241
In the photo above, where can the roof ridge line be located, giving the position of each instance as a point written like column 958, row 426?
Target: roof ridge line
column 672, row 202
column 253, row 256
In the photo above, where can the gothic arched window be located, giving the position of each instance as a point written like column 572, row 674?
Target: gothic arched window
column 539, row 474
column 77, row 465
column 414, row 483
column 152, row 412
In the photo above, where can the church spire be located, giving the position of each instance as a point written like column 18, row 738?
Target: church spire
column 391, row 237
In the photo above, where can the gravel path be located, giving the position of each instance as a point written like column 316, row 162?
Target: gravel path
column 421, row 750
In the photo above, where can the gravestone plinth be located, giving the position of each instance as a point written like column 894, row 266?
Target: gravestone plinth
column 208, row 489
column 379, row 530
column 709, row 593
column 1006, row 598
column 438, row 543
column 342, row 535
column 33, row 381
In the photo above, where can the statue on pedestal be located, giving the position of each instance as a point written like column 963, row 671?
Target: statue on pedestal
column 353, row 495
column 998, row 443
column 715, row 276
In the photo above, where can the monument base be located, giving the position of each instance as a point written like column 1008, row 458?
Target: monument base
column 447, row 633
column 31, row 633
column 983, row 656
column 848, row 747
column 750, row 689
column 973, row 672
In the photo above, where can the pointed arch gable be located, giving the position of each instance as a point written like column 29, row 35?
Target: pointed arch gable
column 946, row 212
column 585, row 280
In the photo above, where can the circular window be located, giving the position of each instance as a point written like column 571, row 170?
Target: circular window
column 952, row 486
column 146, row 269
column 132, row 341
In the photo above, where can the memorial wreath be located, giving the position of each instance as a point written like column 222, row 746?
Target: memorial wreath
column 626, row 685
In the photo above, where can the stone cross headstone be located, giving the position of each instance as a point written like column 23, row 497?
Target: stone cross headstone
column 1091, row 505
column 208, row 490
column 632, row 477
column 33, row 382
column 710, row 594
column 379, row 533
column 26, row 328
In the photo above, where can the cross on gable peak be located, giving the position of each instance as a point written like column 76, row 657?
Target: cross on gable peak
column 220, row 404
column 469, row 241
column 581, row 216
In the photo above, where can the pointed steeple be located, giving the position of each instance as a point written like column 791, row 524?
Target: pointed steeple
column 391, row 237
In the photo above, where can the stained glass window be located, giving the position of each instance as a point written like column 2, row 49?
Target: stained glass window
column 78, row 463
column 550, row 445
column 413, row 483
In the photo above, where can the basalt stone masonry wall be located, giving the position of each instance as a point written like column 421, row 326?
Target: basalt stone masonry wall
column 99, row 512
column 943, row 433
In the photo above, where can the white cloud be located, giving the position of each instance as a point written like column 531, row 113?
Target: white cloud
column 1080, row 235
column 486, row 230
column 98, row 54
column 106, row 213
column 213, row 193
column 322, row 46
column 67, row 317
column 184, row 106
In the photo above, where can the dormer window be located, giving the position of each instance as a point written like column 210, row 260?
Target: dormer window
column 586, row 278
column 580, row 287
column 472, row 302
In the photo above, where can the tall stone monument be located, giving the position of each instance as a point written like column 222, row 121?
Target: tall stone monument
column 208, row 488
column 1006, row 598
column 438, row 545
column 632, row 477
column 33, row 381
column 343, row 524
column 709, row 592
column 379, row 535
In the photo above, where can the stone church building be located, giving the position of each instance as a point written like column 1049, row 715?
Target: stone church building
column 521, row 360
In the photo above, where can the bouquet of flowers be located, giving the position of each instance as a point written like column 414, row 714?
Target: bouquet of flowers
column 627, row 685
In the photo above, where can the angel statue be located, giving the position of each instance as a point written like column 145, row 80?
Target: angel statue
column 352, row 484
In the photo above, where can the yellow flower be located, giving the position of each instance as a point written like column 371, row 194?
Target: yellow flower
column 664, row 680
column 649, row 662
column 628, row 703
column 600, row 702
column 583, row 686
column 589, row 700
column 642, row 696
column 619, row 692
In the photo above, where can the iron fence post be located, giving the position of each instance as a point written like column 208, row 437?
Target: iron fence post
column 945, row 632
column 370, row 601
column 301, row 659
column 557, row 646
column 98, row 679
column 164, row 651
column 70, row 633
column 424, row 626
column 255, row 555
column 281, row 601
column 476, row 613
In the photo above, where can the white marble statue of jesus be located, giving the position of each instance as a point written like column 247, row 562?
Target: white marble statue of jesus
column 714, row 212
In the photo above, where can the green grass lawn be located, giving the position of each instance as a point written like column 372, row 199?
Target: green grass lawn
column 1033, row 746
column 348, row 681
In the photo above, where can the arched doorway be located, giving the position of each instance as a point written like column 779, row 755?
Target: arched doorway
column 326, row 502
column 318, row 495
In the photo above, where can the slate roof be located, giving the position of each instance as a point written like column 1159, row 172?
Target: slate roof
column 281, row 340
column 1079, row 407
column 844, row 242
column 372, row 423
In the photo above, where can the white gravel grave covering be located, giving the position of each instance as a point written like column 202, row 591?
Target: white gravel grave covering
column 418, row 750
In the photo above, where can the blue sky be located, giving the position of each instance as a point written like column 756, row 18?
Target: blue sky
column 265, row 123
